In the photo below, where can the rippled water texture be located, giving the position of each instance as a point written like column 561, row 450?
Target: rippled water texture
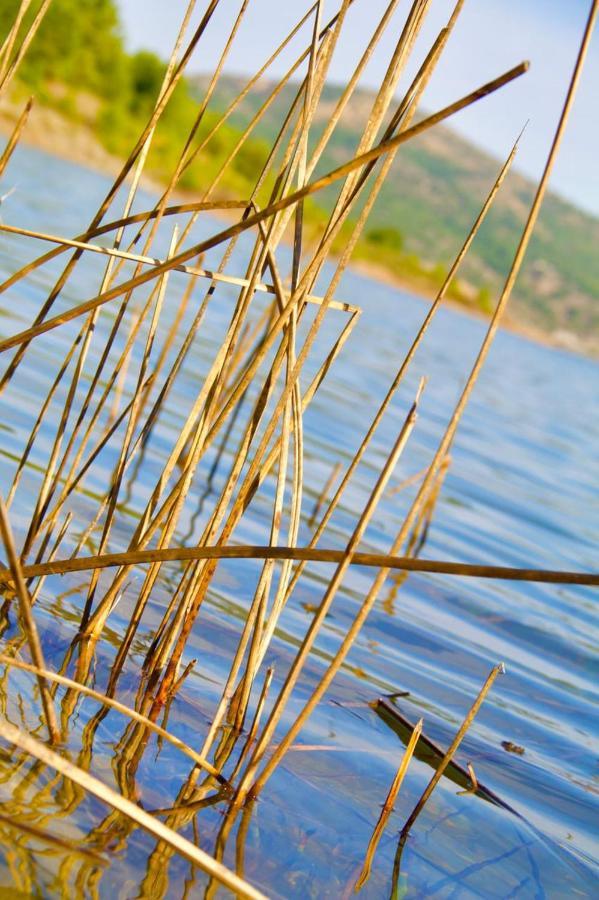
column 521, row 491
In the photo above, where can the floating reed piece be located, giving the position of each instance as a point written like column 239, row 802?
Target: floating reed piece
column 120, row 375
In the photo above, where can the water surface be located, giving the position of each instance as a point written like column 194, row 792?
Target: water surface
column 521, row 491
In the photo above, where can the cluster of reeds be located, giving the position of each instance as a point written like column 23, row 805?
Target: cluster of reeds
column 114, row 387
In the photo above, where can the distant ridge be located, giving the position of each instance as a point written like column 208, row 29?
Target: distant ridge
column 434, row 194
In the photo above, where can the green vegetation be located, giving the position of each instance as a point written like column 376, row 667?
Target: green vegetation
column 79, row 42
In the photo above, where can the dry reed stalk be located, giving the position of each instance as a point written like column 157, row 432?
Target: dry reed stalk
column 211, row 275
column 114, row 225
column 292, row 407
column 234, row 669
column 85, row 335
column 178, row 490
column 330, row 593
column 72, row 481
column 175, row 497
column 349, row 89
column 334, row 667
column 497, row 670
column 244, row 551
column 175, row 175
column 255, row 78
column 388, row 806
column 158, row 211
column 396, row 66
column 407, row 482
column 264, row 582
column 415, row 91
column 138, row 393
column 381, row 103
column 264, row 364
column 139, row 149
column 74, row 476
column 139, row 167
column 14, row 138
column 133, row 812
column 316, row 263
column 24, row 337
column 179, row 167
column 446, row 441
column 48, row 675
column 270, row 239
column 8, row 68
column 237, row 509
column 171, row 508
column 9, row 40
column 324, row 493
column 448, row 436
column 28, row 622
column 283, row 399
column 400, row 122
column 424, row 517
column 474, row 785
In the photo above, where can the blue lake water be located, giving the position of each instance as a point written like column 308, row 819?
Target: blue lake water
column 521, row 491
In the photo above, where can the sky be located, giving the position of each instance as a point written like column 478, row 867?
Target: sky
column 491, row 36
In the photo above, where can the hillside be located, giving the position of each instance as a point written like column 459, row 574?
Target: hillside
column 433, row 194
column 93, row 99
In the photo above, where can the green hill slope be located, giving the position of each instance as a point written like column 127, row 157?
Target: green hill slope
column 433, row 194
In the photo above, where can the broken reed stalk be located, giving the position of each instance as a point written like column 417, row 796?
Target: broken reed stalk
column 495, row 671
column 388, row 806
column 29, row 626
column 130, row 810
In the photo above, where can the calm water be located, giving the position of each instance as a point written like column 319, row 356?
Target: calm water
column 521, row 491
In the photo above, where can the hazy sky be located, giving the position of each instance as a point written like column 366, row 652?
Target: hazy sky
column 491, row 36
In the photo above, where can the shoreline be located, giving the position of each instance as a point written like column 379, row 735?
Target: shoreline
column 48, row 130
